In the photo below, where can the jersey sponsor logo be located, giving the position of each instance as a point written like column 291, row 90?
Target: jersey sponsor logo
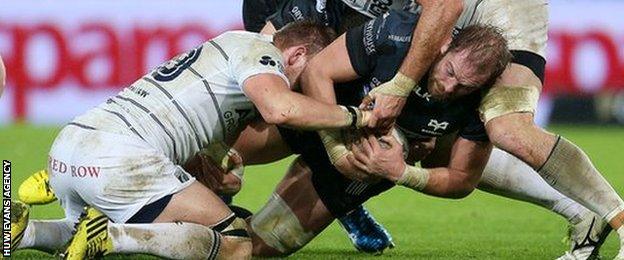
column 236, row 118
column 369, row 44
column 78, row 171
column 320, row 5
column 296, row 13
column 171, row 69
column 378, row 7
column 398, row 38
column 438, row 125
column 139, row 91
column 268, row 61
column 422, row 93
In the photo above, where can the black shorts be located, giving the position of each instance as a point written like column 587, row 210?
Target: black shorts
column 339, row 194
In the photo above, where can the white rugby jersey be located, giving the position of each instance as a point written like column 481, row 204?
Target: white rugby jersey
column 192, row 100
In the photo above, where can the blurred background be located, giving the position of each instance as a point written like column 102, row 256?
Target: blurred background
column 65, row 56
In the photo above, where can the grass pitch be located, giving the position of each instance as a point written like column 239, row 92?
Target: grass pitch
column 482, row 226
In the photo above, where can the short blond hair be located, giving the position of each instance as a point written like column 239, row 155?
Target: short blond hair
column 306, row 32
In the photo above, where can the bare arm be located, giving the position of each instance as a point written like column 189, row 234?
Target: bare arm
column 268, row 29
column 279, row 105
column 456, row 180
column 461, row 176
column 332, row 65
column 434, row 28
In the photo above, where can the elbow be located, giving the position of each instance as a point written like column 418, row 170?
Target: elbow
column 462, row 192
column 277, row 114
column 275, row 118
column 464, row 186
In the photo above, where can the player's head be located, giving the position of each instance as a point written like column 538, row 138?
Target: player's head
column 299, row 42
column 473, row 59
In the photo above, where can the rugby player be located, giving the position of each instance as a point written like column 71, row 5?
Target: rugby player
column 122, row 158
column 507, row 109
column 266, row 16
column 307, row 200
column 304, row 204
column 504, row 175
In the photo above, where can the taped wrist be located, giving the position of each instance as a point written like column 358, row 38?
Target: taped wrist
column 334, row 145
column 222, row 155
column 414, row 177
column 400, row 85
column 355, row 118
column 569, row 170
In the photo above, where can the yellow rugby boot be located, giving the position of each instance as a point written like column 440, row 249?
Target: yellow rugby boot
column 19, row 222
column 36, row 189
column 91, row 237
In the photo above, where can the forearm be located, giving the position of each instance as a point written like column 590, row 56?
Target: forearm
column 434, row 28
column 448, row 183
column 305, row 113
column 438, row 182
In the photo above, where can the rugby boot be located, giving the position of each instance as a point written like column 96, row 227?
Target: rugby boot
column 366, row 234
column 19, row 222
column 36, row 189
column 91, row 238
column 586, row 237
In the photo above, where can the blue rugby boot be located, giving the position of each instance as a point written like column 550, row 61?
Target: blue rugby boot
column 366, row 234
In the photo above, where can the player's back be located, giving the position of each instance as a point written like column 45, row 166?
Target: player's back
column 187, row 102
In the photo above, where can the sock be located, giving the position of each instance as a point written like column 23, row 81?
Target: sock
column 47, row 235
column 569, row 170
column 170, row 240
column 507, row 176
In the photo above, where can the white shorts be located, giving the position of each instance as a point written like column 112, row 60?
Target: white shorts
column 115, row 173
column 524, row 23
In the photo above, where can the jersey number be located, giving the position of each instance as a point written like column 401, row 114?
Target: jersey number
column 171, row 69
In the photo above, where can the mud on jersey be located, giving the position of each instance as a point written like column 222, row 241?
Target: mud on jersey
column 376, row 50
column 194, row 99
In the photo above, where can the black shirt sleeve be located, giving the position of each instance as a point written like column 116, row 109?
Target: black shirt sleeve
column 296, row 10
column 361, row 48
column 475, row 129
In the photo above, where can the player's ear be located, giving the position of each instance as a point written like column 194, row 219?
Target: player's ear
column 298, row 56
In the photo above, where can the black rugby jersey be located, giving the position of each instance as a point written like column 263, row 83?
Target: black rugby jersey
column 376, row 50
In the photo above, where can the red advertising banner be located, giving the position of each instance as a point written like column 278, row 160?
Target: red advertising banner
column 66, row 56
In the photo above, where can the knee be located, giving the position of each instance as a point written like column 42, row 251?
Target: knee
column 511, row 134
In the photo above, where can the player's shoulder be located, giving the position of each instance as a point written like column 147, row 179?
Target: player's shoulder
column 392, row 29
column 394, row 22
column 241, row 40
